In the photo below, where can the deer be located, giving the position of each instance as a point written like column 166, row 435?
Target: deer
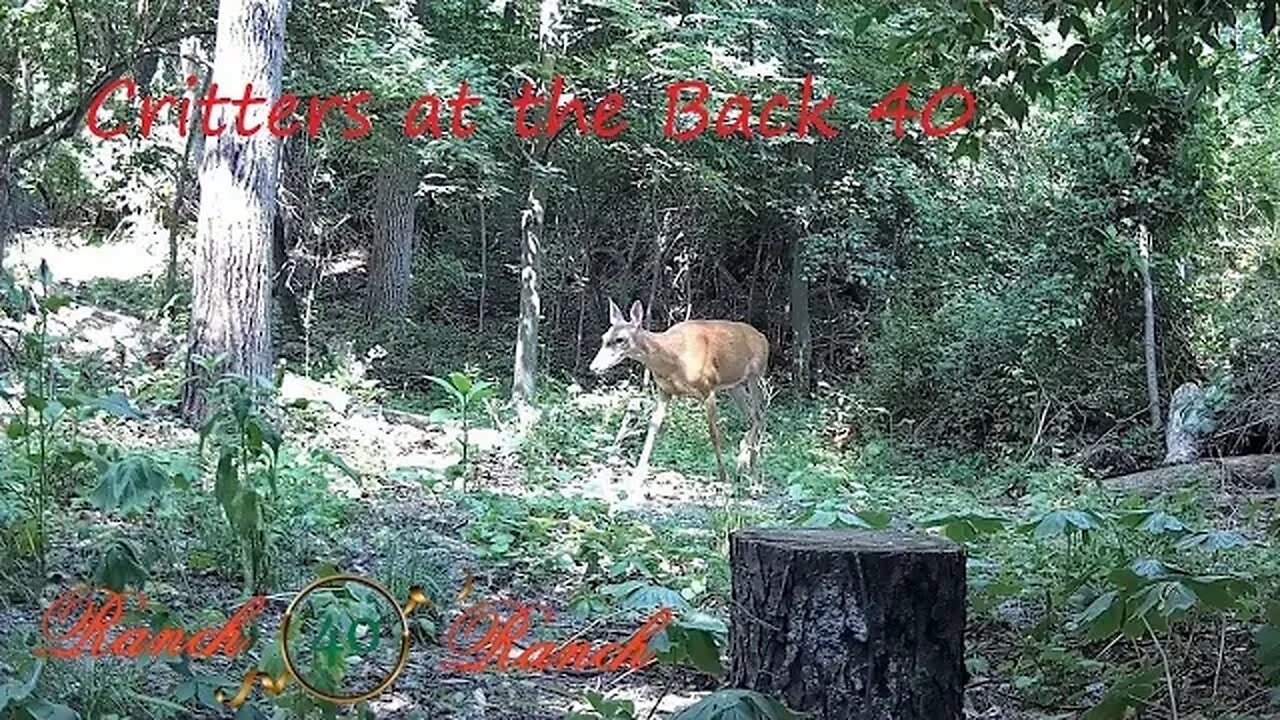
column 693, row 359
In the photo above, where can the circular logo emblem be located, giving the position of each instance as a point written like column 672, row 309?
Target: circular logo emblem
column 345, row 639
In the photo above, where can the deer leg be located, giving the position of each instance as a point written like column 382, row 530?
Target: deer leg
column 756, row 400
column 655, row 424
column 715, row 435
column 743, row 401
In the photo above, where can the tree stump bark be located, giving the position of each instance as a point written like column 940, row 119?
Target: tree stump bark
column 846, row 625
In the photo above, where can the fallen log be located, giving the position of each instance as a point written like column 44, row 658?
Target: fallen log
column 845, row 625
column 1250, row 471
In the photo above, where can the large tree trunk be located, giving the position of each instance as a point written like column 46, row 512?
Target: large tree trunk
column 391, row 253
column 850, row 625
column 231, row 272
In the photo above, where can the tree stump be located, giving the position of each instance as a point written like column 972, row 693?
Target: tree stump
column 845, row 625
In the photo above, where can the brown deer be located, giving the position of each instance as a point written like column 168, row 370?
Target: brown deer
column 694, row 358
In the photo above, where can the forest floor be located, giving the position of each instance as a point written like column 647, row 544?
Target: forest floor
column 372, row 485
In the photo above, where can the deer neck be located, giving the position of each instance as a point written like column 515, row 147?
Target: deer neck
column 655, row 353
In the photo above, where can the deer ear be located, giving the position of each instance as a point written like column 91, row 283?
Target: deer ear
column 615, row 314
column 637, row 313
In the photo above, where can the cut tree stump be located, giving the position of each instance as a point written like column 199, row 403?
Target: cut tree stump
column 845, row 625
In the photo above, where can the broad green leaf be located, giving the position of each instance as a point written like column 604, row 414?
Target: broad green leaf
column 130, row 484
column 460, row 382
column 1129, row 693
column 116, row 404
column 735, row 704
column 1213, row 541
column 448, row 387
column 703, row 651
column 41, row 709
column 1103, row 617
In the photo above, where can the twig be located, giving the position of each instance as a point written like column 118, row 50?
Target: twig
column 666, row 688
column 1168, row 672
column 1035, row 439
column 1222, row 648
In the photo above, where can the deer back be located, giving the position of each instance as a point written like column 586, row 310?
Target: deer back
column 697, row 357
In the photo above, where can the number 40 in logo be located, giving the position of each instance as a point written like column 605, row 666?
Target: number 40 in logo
column 335, row 647
column 895, row 105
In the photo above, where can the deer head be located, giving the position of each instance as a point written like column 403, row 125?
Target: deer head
column 619, row 341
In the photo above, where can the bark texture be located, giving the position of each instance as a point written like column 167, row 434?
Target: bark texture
column 391, row 253
column 1188, row 421
column 1149, row 329
column 532, row 225
column 850, row 625
column 231, row 270
column 8, row 64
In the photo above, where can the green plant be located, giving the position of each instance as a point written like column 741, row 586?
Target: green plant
column 466, row 392
column 734, row 704
column 603, row 708
column 47, row 410
column 247, row 445
column 19, row 701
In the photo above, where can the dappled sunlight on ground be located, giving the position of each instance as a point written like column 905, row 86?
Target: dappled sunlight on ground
column 131, row 254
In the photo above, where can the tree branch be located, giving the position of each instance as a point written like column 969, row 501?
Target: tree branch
column 69, row 118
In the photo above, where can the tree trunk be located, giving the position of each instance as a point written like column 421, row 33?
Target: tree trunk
column 231, row 271
column 850, row 625
column 526, row 364
column 188, row 167
column 532, row 225
column 801, row 325
column 1149, row 329
column 484, row 267
column 7, row 69
column 391, row 253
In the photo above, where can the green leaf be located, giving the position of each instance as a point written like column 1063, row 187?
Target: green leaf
column 1103, row 617
column 1268, row 209
column 703, row 651
column 735, row 704
column 1129, row 693
column 1221, row 592
column 1154, row 522
column 643, row 596
column 116, row 404
column 461, row 382
column 1213, row 540
column 130, row 484
column 40, row 709
column 19, row 691
column 448, row 387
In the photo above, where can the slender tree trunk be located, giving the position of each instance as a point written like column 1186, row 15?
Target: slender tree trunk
column 188, row 167
column 391, row 254
column 231, row 271
column 532, row 225
column 7, row 67
column 484, row 267
column 1149, row 328
column 801, row 327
